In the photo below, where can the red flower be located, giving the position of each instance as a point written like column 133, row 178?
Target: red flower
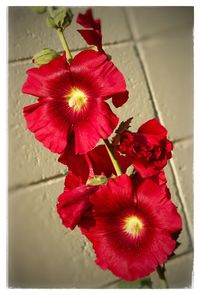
column 149, row 148
column 72, row 98
column 92, row 36
column 132, row 228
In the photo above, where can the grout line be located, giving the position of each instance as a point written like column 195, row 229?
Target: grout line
column 188, row 139
column 29, row 58
column 158, row 115
column 36, row 183
column 168, row 30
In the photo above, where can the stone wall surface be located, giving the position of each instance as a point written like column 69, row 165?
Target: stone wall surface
column 153, row 47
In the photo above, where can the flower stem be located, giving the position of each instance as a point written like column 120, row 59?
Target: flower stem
column 64, row 44
column 112, row 157
column 161, row 274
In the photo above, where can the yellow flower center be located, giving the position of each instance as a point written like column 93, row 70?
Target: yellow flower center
column 133, row 225
column 76, row 99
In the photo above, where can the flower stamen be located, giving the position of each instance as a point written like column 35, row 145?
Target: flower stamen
column 133, row 225
column 76, row 99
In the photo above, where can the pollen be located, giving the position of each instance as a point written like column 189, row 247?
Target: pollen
column 133, row 225
column 76, row 99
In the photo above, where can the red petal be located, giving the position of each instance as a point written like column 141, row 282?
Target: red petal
column 92, row 37
column 72, row 204
column 108, row 79
column 76, row 163
column 99, row 125
column 52, row 79
column 119, row 99
column 168, row 218
column 153, row 127
column 48, row 125
column 112, row 194
column 87, row 21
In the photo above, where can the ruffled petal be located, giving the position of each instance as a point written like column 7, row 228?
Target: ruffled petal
column 115, row 190
column 48, row 125
column 100, row 124
column 76, row 163
column 87, row 20
column 52, row 79
column 92, row 37
column 153, row 127
column 109, row 80
column 72, row 204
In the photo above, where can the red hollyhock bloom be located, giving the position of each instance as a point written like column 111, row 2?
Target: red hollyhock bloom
column 132, row 228
column 72, row 98
column 148, row 148
column 92, row 36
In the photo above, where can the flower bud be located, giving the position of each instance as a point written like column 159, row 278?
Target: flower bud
column 60, row 18
column 44, row 56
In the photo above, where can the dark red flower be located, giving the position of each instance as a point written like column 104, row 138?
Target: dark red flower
column 148, row 148
column 72, row 99
column 132, row 227
column 93, row 34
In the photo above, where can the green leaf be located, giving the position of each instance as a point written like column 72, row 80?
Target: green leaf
column 39, row 9
column 44, row 56
column 145, row 283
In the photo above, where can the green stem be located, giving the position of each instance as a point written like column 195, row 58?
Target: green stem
column 112, row 157
column 64, row 44
column 161, row 274
column 61, row 36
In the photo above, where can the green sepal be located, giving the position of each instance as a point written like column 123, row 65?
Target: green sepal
column 97, row 180
column 45, row 56
column 39, row 9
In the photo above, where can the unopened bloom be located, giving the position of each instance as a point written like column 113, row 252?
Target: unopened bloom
column 71, row 99
column 132, row 227
column 148, row 148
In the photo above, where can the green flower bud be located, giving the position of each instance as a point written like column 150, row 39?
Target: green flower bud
column 63, row 17
column 60, row 18
column 44, row 56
